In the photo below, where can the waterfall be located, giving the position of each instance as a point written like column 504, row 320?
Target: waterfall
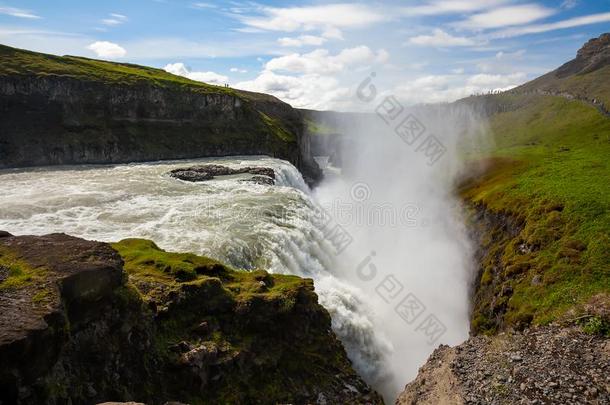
column 244, row 224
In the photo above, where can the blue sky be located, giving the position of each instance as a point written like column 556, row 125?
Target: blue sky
column 312, row 53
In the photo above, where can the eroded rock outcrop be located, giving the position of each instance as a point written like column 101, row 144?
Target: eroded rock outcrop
column 86, row 322
column 593, row 55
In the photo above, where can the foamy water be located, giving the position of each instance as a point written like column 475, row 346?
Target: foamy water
column 243, row 224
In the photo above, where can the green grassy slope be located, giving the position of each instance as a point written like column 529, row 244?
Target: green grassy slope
column 21, row 62
column 548, row 168
column 590, row 85
column 14, row 61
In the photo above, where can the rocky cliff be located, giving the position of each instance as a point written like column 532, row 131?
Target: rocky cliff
column 69, row 110
column 86, row 322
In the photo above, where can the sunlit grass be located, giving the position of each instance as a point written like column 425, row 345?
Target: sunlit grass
column 550, row 168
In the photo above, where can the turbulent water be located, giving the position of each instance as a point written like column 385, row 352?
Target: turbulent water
column 241, row 223
column 381, row 242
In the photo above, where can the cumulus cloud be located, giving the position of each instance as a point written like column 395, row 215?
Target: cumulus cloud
column 238, row 70
column 115, row 19
column 440, row 38
column 18, row 12
column 105, row 49
column 506, row 16
column 310, row 90
column 312, row 79
column 302, row 40
column 447, row 88
column 322, row 62
column 180, row 69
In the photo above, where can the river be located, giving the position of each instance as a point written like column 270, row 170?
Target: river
column 246, row 225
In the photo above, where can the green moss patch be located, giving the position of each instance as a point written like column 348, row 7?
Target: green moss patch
column 277, row 129
column 16, row 273
column 145, row 261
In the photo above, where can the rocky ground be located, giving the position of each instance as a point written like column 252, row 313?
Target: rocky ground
column 542, row 365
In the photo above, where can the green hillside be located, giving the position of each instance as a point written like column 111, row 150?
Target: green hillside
column 593, row 85
column 21, row 62
column 549, row 169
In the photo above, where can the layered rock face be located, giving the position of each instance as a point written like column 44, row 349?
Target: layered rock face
column 69, row 110
column 86, row 322
column 54, row 120
column 594, row 55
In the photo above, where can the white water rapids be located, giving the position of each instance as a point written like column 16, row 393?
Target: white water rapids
column 241, row 223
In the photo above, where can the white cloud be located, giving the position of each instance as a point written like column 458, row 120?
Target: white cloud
column 329, row 18
column 105, row 49
column 486, row 82
column 318, row 61
column 312, row 80
column 115, row 19
column 19, row 13
column 321, row 61
column 203, row 5
column 448, row 88
column 439, row 7
column 510, row 55
column 180, row 69
column 441, row 39
column 506, row 16
column 238, row 70
column 302, row 40
column 539, row 28
column 306, row 91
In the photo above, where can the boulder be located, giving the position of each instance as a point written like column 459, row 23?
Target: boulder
column 261, row 175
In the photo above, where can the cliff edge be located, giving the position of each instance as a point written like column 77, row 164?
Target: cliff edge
column 131, row 322
column 72, row 110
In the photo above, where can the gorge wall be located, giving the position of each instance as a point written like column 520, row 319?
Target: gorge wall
column 67, row 110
